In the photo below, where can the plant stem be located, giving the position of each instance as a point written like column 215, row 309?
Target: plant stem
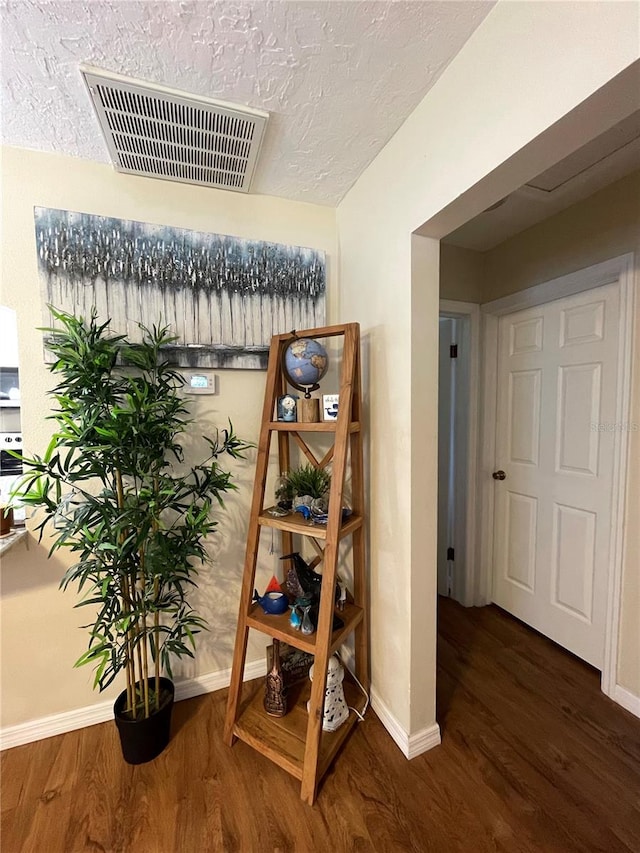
column 131, row 681
column 145, row 664
column 130, row 665
column 139, row 655
column 145, row 637
column 156, row 586
column 156, row 628
column 119, row 489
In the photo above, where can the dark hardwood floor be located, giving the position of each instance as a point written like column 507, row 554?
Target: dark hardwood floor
column 533, row 758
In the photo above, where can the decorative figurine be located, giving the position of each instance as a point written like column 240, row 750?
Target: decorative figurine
column 304, row 585
column 342, row 600
column 307, row 626
column 273, row 585
column 301, row 581
column 287, row 408
column 336, row 711
column 295, row 619
column 294, row 664
column 275, row 700
column 273, row 603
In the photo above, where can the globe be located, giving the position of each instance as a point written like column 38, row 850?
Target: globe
column 305, row 363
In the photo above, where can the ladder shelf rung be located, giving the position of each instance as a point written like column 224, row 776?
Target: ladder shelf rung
column 282, row 739
column 295, row 523
column 279, row 627
column 324, row 426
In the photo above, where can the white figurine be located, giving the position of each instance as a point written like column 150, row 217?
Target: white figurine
column 336, row 711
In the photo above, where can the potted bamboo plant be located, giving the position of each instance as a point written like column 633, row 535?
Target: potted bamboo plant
column 114, row 490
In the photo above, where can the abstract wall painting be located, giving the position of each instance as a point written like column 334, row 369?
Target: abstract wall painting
column 224, row 297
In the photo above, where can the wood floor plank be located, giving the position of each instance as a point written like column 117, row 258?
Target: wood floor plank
column 534, row 759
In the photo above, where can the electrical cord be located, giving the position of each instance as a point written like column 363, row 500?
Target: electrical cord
column 359, row 714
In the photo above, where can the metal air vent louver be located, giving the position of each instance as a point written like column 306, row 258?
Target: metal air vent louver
column 163, row 133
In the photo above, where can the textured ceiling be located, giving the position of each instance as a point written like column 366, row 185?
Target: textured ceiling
column 338, row 78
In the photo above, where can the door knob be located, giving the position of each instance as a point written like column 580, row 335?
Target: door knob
column 499, row 475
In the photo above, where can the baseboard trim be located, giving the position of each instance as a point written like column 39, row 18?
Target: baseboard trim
column 410, row 745
column 629, row 701
column 101, row 712
column 424, row 740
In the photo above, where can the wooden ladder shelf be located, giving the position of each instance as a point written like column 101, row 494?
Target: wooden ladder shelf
column 297, row 742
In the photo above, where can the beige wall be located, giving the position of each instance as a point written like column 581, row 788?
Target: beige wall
column 473, row 120
column 603, row 226
column 461, row 273
column 40, row 635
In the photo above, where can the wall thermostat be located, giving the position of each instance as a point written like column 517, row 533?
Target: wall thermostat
column 200, row 383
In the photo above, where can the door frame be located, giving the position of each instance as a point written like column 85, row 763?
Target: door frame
column 466, row 482
column 619, row 270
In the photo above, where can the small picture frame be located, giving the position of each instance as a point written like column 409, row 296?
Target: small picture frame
column 287, row 409
column 330, row 407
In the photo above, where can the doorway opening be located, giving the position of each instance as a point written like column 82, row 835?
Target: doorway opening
column 579, row 212
column 565, row 457
column 457, row 449
column 569, row 523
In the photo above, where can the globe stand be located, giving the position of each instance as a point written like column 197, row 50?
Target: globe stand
column 309, row 410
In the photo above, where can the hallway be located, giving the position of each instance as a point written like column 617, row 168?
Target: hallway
column 542, row 750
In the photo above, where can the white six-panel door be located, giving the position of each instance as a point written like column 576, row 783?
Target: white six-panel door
column 557, row 371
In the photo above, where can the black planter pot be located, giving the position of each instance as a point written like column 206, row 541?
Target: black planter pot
column 144, row 740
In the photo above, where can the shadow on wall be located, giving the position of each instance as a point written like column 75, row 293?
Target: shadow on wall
column 219, row 579
column 219, row 582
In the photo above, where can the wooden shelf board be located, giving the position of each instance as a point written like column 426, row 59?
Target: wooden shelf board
column 282, row 739
column 279, row 627
column 323, row 426
column 295, row 523
column 320, row 332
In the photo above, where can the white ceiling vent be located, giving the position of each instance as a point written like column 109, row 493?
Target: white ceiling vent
column 163, row 133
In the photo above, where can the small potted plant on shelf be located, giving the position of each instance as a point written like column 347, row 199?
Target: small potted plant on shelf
column 113, row 490
column 308, row 486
